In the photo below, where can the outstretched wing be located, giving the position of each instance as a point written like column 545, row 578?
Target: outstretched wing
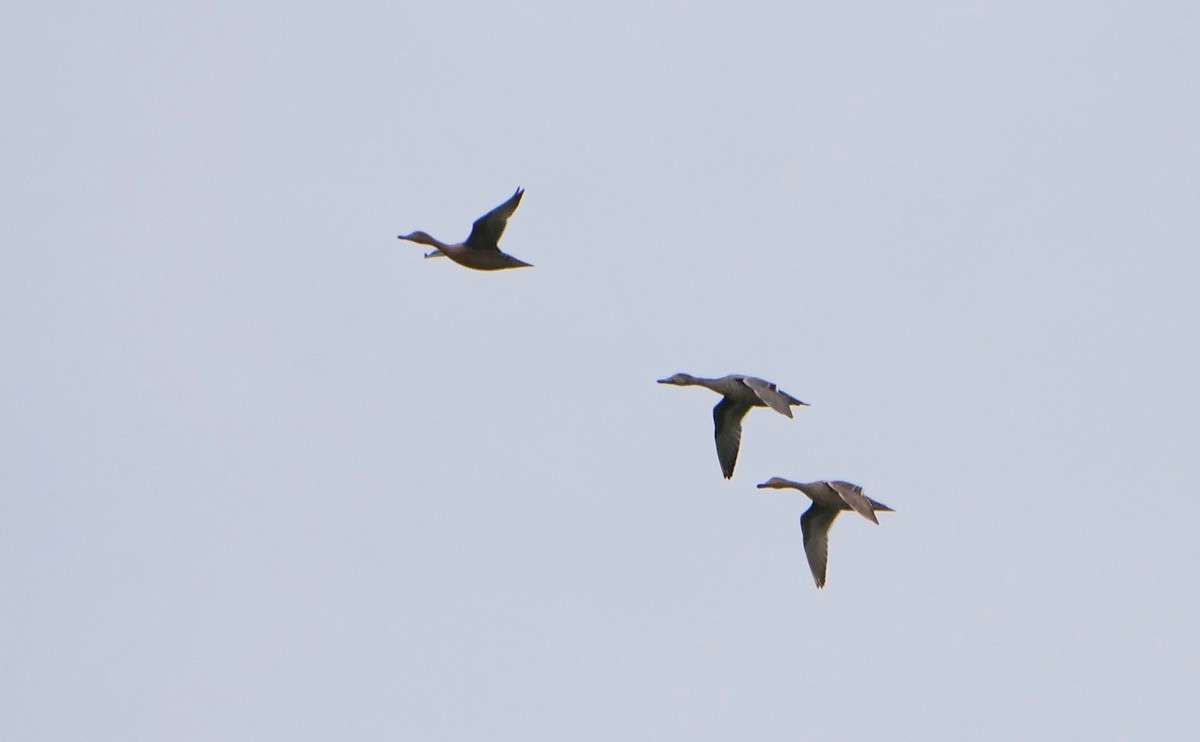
column 814, row 524
column 853, row 496
column 727, row 422
column 487, row 229
column 771, row 396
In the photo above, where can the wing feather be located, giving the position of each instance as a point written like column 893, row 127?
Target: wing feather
column 770, row 395
column 815, row 524
column 853, row 496
column 489, row 228
column 727, row 423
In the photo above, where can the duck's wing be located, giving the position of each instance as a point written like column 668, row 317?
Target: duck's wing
column 487, row 229
column 770, row 395
column 727, row 423
column 814, row 524
column 853, row 496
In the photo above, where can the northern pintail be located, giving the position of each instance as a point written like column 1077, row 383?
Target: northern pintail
column 739, row 393
column 828, row 499
column 481, row 249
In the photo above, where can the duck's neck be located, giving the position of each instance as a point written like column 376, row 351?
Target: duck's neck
column 424, row 238
column 715, row 385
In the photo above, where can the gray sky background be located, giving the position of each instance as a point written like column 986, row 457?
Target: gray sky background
column 269, row 475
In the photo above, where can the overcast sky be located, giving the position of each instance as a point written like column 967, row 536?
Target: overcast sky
column 267, row 474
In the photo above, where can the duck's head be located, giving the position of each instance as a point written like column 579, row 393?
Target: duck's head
column 422, row 238
column 679, row 380
column 777, row 483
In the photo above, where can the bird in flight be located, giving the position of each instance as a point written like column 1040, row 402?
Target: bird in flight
column 739, row 393
column 828, row 499
column 481, row 249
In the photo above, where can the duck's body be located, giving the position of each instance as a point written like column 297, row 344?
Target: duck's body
column 739, row 393
column 481, row 249
column 828, row 499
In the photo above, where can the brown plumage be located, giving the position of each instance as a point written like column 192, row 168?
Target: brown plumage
column 481, row 249
column 828, row 499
